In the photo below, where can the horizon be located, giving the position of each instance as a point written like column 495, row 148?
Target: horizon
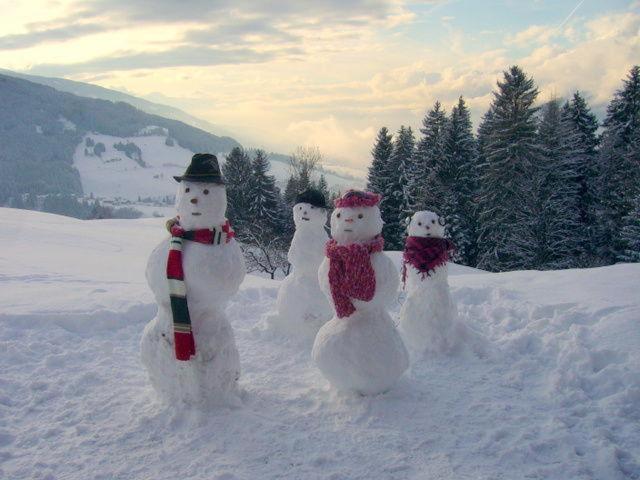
column 327, row 74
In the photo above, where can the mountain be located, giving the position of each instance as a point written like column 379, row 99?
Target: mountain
column 95, row 91
column 55, row 142
column 41, row 128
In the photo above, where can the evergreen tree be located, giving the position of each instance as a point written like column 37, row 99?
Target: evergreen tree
column 619, row 167
column 506, row 237
column 458, row 177
column 395, row 203
column 238, row 174
column 323, row 187
column 425, row 187
column 630, row 234
column 558, row 228
column 376, row 180
column 265, row 209
column 291, row 190
column 578, row 113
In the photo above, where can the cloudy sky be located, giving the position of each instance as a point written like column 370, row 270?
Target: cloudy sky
column 282, row 74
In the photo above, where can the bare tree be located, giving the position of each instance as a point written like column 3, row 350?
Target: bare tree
column 303, row 162
column 265, row 253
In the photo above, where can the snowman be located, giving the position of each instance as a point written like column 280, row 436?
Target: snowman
column 302, row 307
column 359, row 349
column 189, row 349
column 428, row 319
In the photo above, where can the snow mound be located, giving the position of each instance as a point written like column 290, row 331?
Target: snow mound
column 557, row 396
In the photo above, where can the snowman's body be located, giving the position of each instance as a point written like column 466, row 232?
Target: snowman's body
column 213, row 273
column 302, row 308
column 428, row 318
column 361, row 352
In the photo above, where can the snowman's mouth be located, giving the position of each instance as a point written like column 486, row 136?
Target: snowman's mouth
column 348, row 230
column 196, row 214
column 305, row 218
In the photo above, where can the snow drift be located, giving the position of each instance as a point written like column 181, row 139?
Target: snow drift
column 556, row 397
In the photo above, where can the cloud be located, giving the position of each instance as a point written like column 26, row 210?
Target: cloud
column 177, row 57
column 55, row 34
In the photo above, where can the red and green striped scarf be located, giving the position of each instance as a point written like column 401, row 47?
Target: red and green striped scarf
column 184, row 342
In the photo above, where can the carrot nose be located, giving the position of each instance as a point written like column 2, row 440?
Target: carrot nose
column 349, row 220
column 194, row 200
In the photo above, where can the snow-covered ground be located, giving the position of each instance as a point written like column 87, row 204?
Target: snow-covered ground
column 557, row 396
column 113, row 174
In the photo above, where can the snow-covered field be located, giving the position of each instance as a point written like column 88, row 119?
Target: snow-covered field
column 113, row 174
column 557, row 396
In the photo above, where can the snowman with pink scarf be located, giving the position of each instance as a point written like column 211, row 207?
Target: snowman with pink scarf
column 359, row 349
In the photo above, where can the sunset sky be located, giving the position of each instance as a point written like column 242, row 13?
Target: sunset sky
column 282, row 74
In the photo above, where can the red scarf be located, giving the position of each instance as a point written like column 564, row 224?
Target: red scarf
column 351, row 274
column 425, row 254
column 184, row 343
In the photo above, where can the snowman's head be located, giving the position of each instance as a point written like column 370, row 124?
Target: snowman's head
column 426, row 224
column 355, row 224
column 201, row 204
column 307, row 215
column 356, row 217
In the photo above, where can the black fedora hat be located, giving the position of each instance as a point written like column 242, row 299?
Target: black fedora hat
column 203, row 168
column 313, row 197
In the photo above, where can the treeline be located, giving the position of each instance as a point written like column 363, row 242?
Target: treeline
column 538, row 187
column 259, row 212
column 73, row 206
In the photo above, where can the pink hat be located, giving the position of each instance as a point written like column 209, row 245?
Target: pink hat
column 358, row 198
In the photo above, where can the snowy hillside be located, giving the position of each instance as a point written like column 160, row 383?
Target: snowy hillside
column 556, row 397
column 150, row 172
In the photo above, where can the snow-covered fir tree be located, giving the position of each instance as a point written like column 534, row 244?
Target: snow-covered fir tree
column 238, row 174
column 381, row 153
column 266, row 207
column 323, row 187
column 619, row 167
column 395, row 204
column 425, row 187
column 579, row 114
column 558, row 228
column 458, row 176
column 630, row 234
column 506, row 237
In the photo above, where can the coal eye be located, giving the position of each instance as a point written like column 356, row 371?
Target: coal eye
column 419, row 224
column 338, row 215
column 206, row 192
column 312, row 207
column 186, row 190
column 360, row 215
column 433, row 221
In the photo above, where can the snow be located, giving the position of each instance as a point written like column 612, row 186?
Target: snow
column 114, row 175
column 557, row 396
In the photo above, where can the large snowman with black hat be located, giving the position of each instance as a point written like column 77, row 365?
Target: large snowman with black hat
column 302, row 308
column 189, row 348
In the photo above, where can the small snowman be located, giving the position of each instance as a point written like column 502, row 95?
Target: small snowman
column 428, row 319
column 302, row 308
column 359, row 349
column 189, row 348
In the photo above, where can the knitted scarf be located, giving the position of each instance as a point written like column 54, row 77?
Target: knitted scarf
column 425, row 254
column 351, row 274
column 184, row 342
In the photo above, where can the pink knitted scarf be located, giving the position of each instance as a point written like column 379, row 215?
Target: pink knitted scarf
column 425, row 254
column 351, row 274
